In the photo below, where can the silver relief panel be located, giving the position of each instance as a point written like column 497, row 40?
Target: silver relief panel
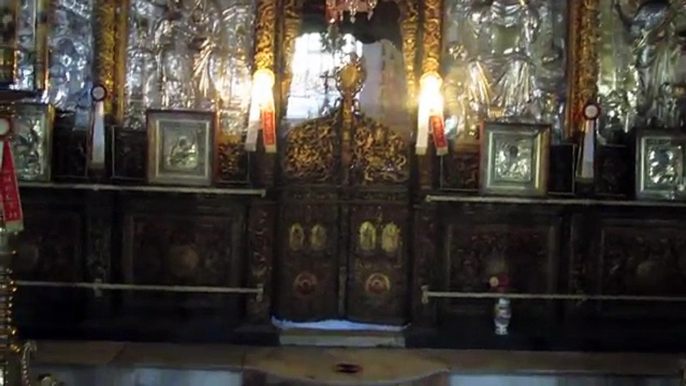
column 71, row 58
column 26, row 45
column 642, row 64
column 190, row 55
column 504, row 60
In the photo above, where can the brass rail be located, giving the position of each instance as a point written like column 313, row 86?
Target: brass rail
column 426, row 295
column 160, row 189
column 258, row 291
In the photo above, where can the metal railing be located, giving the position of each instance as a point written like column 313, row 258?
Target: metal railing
column 427, row 294
column 98, row 286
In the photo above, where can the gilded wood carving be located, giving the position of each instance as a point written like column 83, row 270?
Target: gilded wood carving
column 582, row 61
column 378, row 285
column 365, row 152
column 308, row 263
column 261, row 231
column 106, row 47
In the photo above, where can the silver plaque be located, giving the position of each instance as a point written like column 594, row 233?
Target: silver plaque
column 190, row 55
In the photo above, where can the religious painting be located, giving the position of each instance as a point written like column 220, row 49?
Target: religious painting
column 318, row 238
column 180, row 147
column 660, row 161
column 8, row 39
column 390, row 238
column 189, row 55
column 641, row 66
column 72, row 53
column 367, row 237
column 504, row 60
column 514, row 159
column 32, row 142
column 296, row 238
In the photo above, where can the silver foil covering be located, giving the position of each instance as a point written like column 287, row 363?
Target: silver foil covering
column 32, row 142
column 71, row 43
column 663, row 167
column 642, row 59
column 26, row 45
column 514, row 159
column 505, row 61
column 190, row 55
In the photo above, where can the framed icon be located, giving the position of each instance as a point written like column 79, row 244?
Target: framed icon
column 32, row 141
column 180, row 147
column 660, row 161
column 514, row 159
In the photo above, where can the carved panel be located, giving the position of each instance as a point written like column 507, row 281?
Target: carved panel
column 526, row 253
column 639, row 257
column 232, row 159
column 460, row 169
column 425, row 262
column 378, row 266
column 69, row 154
column 50, row 246
column 308, row 265
column 182, row 249
column 49, row 249
column 129, row 154
column 261, row 237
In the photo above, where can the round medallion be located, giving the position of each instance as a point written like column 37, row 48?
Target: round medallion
column 591, row 111
column 377, row 284
column 183, row 261
column 99, row 93
column 305, row 284
column 5, row 126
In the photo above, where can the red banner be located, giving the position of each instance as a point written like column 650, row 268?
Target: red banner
column 269, row 130
column 438, row 129
column 11, row 203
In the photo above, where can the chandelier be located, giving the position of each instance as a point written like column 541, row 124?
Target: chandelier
column 335, row 9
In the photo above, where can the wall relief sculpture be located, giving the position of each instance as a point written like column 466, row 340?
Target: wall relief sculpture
column 189, row 54
column 641, row 65
column 72, row 55
column 504, row 60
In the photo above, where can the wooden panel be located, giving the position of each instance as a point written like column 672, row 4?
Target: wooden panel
column 50, row 246
column 526, row 251
column 50, row 249
column 378, row 266
column 641, row 257
column 183, row 248
column 308, row 265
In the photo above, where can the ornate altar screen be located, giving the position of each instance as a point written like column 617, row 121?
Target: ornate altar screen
column 345, row 151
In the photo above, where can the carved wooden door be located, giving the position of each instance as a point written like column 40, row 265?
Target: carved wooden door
column 344, row 218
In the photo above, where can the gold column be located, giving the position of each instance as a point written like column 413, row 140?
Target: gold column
column 122, row 34
column 431, row 36
column 105, row 47
column 42, row 49
column 582, row 62
column 291, row 13
column 409, row 26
